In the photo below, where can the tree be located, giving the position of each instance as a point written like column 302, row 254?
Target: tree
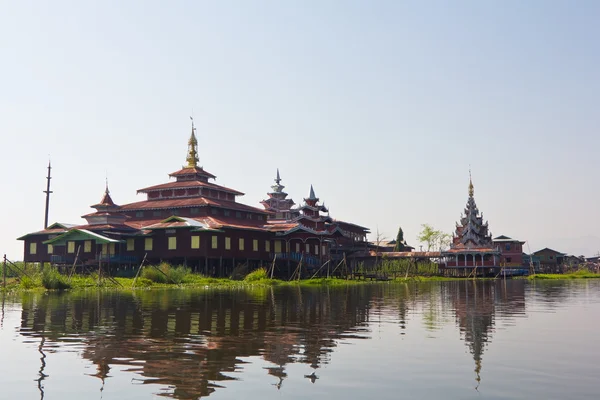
column 444, row 240
column 399, row 240
column 432, row 237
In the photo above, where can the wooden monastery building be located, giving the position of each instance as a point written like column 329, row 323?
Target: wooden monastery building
column 193, row 221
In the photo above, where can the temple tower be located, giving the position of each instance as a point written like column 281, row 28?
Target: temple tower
column 278, row 203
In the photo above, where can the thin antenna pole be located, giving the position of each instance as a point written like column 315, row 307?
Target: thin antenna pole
column 47, row 191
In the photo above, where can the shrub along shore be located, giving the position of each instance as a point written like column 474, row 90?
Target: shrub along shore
column 165, row 275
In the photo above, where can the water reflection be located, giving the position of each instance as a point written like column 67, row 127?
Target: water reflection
column 191, row 342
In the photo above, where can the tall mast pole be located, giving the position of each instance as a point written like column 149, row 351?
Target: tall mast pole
column 47, row 191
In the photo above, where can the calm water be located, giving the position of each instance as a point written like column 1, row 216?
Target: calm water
column 450, row 340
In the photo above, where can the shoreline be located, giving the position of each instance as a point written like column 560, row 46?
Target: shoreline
column 78, row 283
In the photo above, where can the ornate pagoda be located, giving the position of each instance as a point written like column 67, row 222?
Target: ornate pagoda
column 278, row 204
column 472, row 244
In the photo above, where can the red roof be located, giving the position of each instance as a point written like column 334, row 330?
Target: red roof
column 192, row 171
column 44, row 232
column 235, row 223
column 188, row 202
column 351, row 225
column 281, row 227
column 104, row 213
column 104, row 227
column 472, row 250
column 189, row 185
column 211, row 223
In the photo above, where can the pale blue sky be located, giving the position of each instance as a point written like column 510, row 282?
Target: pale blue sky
column 381, row 105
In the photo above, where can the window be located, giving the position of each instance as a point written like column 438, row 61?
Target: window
column 297, row 247
column 32, row 248
column 307, row 248
column 50, row 249
column 70, row 247
column 112, row 248
column 139, row 214
column 551, row 257
column 248, row 216
column 508, row 259
column 214, row 211
column 195, row 242
column 238, row 214
column 214, row 242
column 278, row 215
column 317, row 249
column 507, row 247
column 267, row 246
column 323, row 249
column 278, row 246
column 130, row 244
column 156, row 213
column 148, row 244
column 226, row 213
column 195, row 210
column 104, row 249
column 255, row 245
column 227, row 243
column 241, row 244
column 172, row 242
column 87, row 246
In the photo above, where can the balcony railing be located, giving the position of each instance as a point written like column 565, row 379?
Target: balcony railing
column 104, row 258
column 307, row 259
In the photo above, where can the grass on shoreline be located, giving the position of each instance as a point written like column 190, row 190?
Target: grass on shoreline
column 581, row 274
column 167, row 276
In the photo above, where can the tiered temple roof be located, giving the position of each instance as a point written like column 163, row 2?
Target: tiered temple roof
column 472, row 232
column 277, row 203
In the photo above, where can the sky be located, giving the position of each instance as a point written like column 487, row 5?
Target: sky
column 382, row 105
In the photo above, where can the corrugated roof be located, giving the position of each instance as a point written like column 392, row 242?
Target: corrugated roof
column 43, row 232
column 99, row 238
column 189, row 185
column 188, row 202
column 192, row 171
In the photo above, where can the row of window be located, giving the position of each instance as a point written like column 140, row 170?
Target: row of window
column 87, row 248
column 172, row 245
column 195, row 243
column 193, row 211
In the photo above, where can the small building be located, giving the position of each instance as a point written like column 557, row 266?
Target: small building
column 511, row 251
column 549, row 257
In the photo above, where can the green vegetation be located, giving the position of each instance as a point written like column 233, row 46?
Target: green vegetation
column 433, row 238
column 257, row 275
column 165, row 273
column 399, row 240
column 581, row 274
column 53, row 280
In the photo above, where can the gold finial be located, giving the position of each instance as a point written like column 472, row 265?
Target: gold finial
column 471, row 187
column 192, row 157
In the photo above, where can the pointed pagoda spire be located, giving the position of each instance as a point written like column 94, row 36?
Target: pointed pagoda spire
column 471, row 187
column 106, row 199
column 278, row 179
column 312, row 196
column 192, row 156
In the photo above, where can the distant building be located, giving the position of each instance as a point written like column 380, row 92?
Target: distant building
column 549, row 257
column 472, row 245
column 511, row 251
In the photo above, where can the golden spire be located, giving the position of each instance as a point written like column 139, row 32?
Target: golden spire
column 192, row 157
column 471, row 187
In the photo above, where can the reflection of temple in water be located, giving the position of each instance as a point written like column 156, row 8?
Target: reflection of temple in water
column 189, row 341
column 193, row 341
column 476, row 304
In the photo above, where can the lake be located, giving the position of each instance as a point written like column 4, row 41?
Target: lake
column 513, row 339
